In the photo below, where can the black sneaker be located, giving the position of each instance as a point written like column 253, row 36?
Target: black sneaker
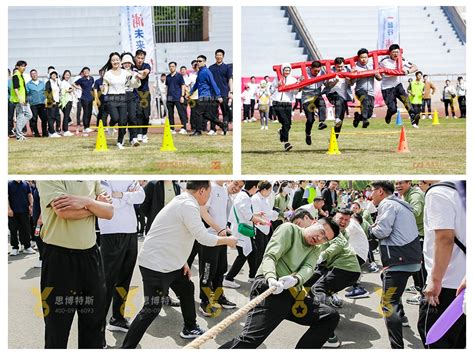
column 322, row 125
column 365, row 124
column 118, row 325
column 308, row 139
column 225, row 303
column 288, row 146
column 356, row 120
column 192, row 333
column 208, row 310
column 388, row 119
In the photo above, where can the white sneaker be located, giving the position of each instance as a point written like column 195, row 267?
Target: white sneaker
column 183, row 131
column 430, row 117
column 338, row 122
column 262, row 128
column 120, row 146
column 139, row 137
column 455, row 117
column 253, row 119
column 29, row 250
column 38, row 264
column 251, row 279
column 246, row 121
column 145, row 138
column 54, row 135
column 135, row 142
column 266, row 127
column 230, row 284
column 423, row 117
column 88, row 130
column 173, row 132
column 68, row 134
column 211, row 133
column 415, row 125
column 14, row 252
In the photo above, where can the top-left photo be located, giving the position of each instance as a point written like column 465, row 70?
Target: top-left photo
column 120, row 90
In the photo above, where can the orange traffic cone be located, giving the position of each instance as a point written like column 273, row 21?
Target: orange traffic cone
column 403, row 144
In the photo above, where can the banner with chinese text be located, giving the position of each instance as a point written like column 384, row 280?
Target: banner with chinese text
column 389, row 28
column 137, row 30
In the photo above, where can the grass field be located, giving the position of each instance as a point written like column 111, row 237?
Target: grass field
column 75, row 155
column 433, row 149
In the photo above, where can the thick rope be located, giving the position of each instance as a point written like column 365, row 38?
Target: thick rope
column 223, row 324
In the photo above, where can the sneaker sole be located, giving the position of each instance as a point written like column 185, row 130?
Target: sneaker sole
column 365, row 295
column 225, row 306
column 114, row 328
column 190, row 336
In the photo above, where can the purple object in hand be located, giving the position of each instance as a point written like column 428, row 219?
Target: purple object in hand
column 446, row 320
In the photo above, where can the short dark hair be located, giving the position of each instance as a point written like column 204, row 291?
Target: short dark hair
column 51, row 67
column 250, row 184
column 203, row 57
column 182, row 67
column 163, row 74
column 266, row 76
column 31, row 71
column 85, row 68
column 300, row 213
column 264, row 185
column 139, row 52
column 460, row 77
column 358, row 217
column 345, row 211
column 425, row 76
column 393, row 47
column 339, row 60
column 418, row 72
column 316, row 64
column 193, row 62
column 334, row 226
column 385, row 185
column 219, row 51
column 197, row 184
column 362, row 51
column 21, row 63
column 252, row 77
column 172, row 63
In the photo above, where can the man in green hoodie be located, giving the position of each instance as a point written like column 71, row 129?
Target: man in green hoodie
column 289, row 261
column 416, row 198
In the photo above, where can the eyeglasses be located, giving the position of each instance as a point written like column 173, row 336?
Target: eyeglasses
column 200, row 61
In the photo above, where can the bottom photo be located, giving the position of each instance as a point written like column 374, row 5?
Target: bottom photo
column 236, row 264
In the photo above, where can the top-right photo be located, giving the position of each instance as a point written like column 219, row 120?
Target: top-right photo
column 354, row 90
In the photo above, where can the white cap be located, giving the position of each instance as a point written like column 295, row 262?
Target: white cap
column 127, row 58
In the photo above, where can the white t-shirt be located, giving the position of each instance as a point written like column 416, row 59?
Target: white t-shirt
column 65, row 86
column 77, row 91
column 444, row 210
column 390, row 81
column 311, row 209
column 253, row 89
column 357, row 239
column 247, row 96
column 262, row 204
column 217, row 206
column 117, row 83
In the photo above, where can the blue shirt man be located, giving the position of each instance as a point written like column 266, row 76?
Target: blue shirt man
column 222, row 73
column 205, row 83
column 174, row 83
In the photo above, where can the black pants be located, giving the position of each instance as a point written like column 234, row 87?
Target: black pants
column 155, row 287
column 455, row 337
column 298, row 105
column 329, row 281
column 240, row 261
column 73, row 281
column 366, row 104
column 118, row 115
column 38, row 111
column 103, row 112
column 247, row 112
column 261, row 241
column 390, row 97
column 393, row 286
column 448, row 103
column 132, row 120
column 86, row 113
column 271, row 113
column 11, row 114
column 193, row 106
column 419, row 277
column 462, row 105
column 309, row 108
column 340, row 106
column 143, row 111
column 252, row 107
column 283, row 112
column 67, row 116
column 426, row 103
column 417, row 108
column 195, row 251
column 141, row 221
column 225, row 110
column 181, row 108
column 205, row 111
column 19, row 224
column 78, row 112
column 54, row 120
column 212, row 267
column 119, row 253
column 263, row 319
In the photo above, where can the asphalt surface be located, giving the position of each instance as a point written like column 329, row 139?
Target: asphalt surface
column 361, row 325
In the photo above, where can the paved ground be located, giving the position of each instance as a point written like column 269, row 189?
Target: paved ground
column 361, row 324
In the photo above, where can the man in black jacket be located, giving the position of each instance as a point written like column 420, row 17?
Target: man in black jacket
column 298, row 197
column 330, row 197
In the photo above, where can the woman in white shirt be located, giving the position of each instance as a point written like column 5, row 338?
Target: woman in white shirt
column 51, row 92
column 65, row 101
column 115, row 81
column 260, row 203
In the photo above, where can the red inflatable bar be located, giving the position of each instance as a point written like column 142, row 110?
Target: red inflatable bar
column 330, row 75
